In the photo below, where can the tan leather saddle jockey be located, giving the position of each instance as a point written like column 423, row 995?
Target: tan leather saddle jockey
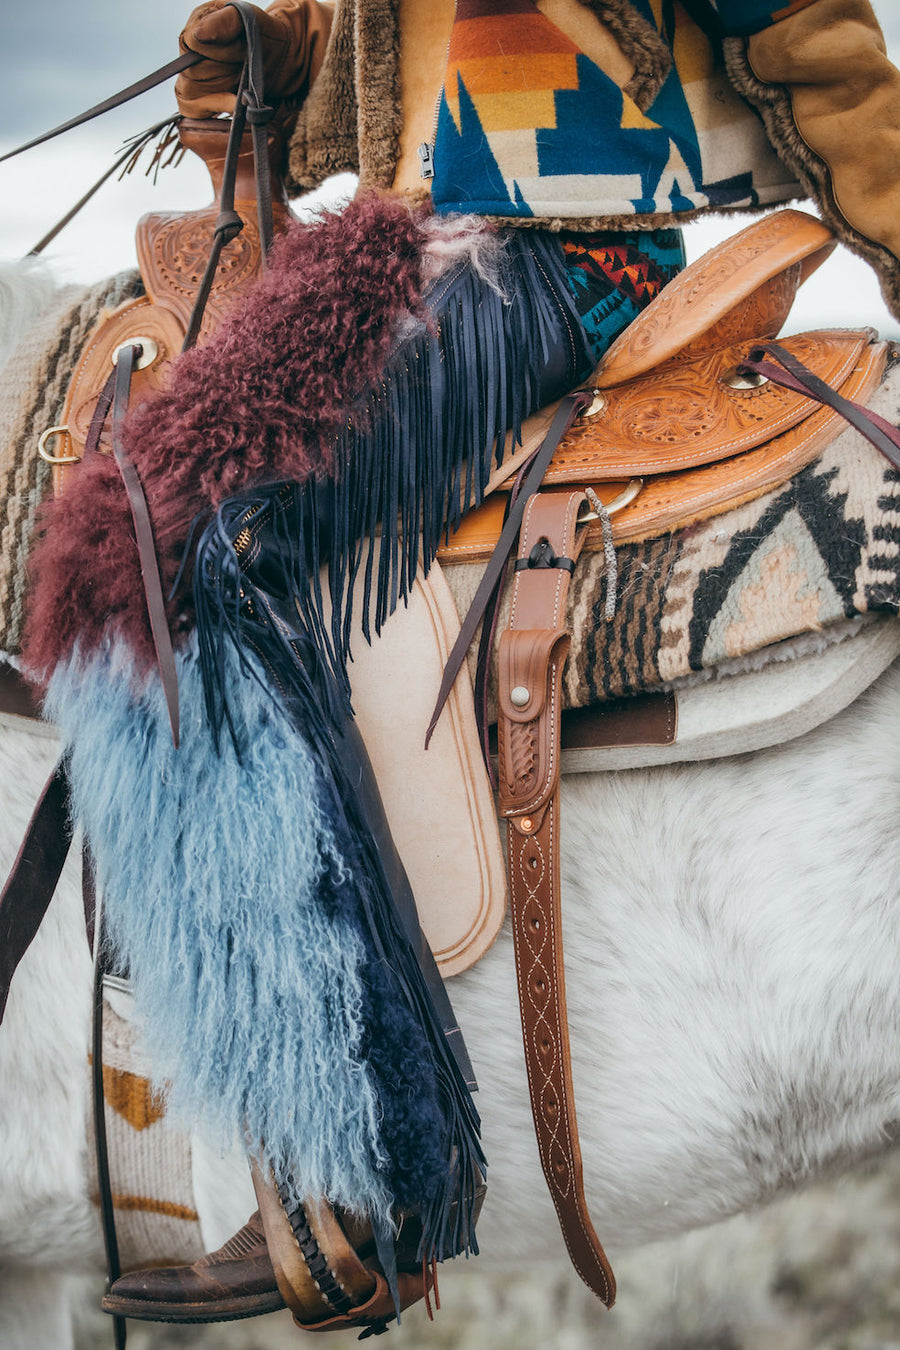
column 671, row 408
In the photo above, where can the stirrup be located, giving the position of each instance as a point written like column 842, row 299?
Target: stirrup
column 326, row 1266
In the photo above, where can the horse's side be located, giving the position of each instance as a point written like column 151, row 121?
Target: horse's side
column 732, row 948
column 731, row 959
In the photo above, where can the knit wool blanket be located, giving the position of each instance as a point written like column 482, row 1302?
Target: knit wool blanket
column 33, row 385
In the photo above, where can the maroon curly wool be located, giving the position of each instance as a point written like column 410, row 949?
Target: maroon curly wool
column 262, row 401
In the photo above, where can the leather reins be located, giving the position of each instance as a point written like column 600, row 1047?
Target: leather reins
column 250, row 110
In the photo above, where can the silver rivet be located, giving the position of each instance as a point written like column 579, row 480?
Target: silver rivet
column 520, row 697
column 739, row 379
column 148, row 354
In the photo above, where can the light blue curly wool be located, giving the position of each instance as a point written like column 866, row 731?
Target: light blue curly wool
column 221, row 886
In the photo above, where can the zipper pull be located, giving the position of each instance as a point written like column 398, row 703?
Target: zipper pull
column 426, row 155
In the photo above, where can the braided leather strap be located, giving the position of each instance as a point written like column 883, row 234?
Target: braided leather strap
column 532, row 655
column 319, row 1274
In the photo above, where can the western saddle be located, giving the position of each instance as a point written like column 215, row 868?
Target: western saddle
column 683, row 420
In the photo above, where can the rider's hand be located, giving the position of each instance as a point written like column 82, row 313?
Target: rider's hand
column 293, row 34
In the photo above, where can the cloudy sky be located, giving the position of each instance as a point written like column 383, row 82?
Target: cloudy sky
column 59, row 58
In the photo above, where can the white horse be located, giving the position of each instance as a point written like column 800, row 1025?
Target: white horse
column 732, row 933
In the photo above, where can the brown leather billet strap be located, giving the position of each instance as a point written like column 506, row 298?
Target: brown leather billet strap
column 791, row 373
column 532, row 655
column 33, row 879
column 565, row 415
column 143, row 529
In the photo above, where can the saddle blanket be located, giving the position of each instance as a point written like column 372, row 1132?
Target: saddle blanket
column 821, row 549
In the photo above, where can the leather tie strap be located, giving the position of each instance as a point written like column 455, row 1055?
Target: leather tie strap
column 251, row 108
column 143, row 532
column 319, row 1274
column 791, row 373
column 532, row 654
column 93, row 905
column 570, row 407
column 35, row 873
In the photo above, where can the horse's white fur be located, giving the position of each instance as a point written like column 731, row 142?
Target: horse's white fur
column 732, row 954
column 26, row 289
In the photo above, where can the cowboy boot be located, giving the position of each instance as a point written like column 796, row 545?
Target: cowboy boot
column 235, row 1281
column 830, row 100
column 302, row 1256
column 293, row 35
column 326, row 1268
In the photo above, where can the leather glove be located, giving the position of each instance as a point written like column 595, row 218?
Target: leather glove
column 293, row 34
column 830, row 99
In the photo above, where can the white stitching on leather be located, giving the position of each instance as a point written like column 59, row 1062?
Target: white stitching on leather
column 515, row 841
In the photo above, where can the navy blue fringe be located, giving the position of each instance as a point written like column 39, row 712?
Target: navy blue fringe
column 417, row 451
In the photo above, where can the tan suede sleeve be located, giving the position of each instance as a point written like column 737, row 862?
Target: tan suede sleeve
column 294, row 34
column 310, row 25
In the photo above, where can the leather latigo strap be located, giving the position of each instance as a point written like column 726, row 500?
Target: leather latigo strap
column 532, row 654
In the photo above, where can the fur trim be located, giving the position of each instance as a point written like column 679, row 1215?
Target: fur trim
column 450, row 239
column 195, row 444
column 641, row 43
column 660, row 220
column 238, row 1019
column 378, row 89
column 773, row 103
column 252, row 964
column 352, row 119
column 322, row 143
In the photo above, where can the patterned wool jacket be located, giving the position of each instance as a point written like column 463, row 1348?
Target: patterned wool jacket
column 604, row 114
